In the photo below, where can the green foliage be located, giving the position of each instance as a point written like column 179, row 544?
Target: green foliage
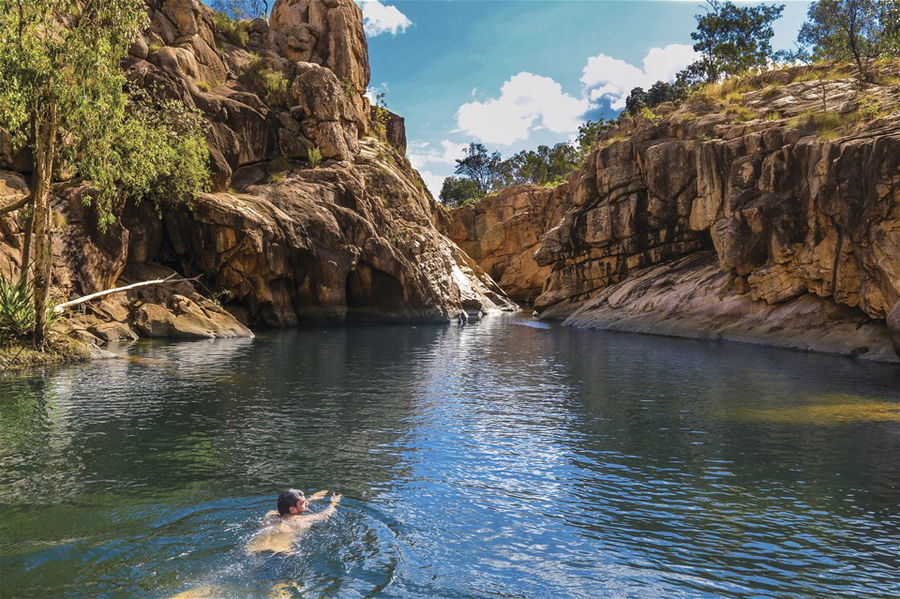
column 203, row 85
column 831, row 125
column 732, row 39
column 648, row 115
column 315, row 157
column 233, row 30
column 161, row 154
column 264, row 78
column 16, row 310
column 741, row 113
column 457, row 191
column 544, row 166
column 658, row 93
column 480, row 166
column 589, row 134
column 857, row 30
column 127, row 145
column 380, row 116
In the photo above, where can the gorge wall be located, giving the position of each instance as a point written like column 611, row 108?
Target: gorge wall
column 278, row 241
column 743, row 217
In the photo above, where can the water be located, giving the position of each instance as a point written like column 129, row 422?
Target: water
column 507, row 459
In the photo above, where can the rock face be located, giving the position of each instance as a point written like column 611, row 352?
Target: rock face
column 279, row 240
column 799, row 229
column 502, row 232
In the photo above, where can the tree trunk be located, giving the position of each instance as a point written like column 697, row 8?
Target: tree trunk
column 45, row 126
column 28, row 225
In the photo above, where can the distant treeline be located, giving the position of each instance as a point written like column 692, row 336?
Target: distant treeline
column 731, row 40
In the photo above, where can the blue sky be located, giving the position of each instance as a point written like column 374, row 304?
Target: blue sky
column 517, row 73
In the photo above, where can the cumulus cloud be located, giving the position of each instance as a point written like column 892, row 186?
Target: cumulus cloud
column 433, row 182
column 526, row 102
column 423, row 153
column 605, row 77
column 430, row 161
column 381, row 18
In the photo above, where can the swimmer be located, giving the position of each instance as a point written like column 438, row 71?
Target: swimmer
column 281, row 529
column 288, row 523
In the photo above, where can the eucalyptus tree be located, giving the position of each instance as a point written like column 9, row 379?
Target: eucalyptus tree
column 732, row 39
column 856, row 30
column 64, row 96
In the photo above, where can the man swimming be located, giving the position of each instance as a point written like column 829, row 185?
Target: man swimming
column 288, row 523
column 281, row 529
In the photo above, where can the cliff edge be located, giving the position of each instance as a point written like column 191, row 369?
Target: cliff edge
column 764, row 211
column 315, row 212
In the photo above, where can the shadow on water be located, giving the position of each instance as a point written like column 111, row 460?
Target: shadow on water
column 504, row 459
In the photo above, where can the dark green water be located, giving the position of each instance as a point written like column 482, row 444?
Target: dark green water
column 506, row 459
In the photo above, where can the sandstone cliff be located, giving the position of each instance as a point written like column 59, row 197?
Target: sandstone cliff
column 750, row 216
column 279, row 240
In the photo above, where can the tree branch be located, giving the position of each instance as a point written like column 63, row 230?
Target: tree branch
column 20, row 203
column 60, row 307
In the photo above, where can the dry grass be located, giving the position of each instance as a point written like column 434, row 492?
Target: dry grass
column 612, row 139
column 648, row 115
column 741, row 113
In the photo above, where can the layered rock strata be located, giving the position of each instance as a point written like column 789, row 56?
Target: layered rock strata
column 796, row 217
column 279, row 240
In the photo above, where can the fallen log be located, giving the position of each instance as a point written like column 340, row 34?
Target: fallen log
column 86, row 298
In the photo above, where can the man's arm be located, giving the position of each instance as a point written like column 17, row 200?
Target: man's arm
column 325, row 514
column 318, row 495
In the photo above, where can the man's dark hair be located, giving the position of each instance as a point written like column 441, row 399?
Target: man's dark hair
column 288, row 499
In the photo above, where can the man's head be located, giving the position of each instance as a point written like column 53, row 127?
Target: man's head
column 291, row 502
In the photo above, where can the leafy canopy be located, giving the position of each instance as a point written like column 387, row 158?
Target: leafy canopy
column 733, row 39
column 63, row 57
column 855, row 30
column 480, row 166
column 459, row 190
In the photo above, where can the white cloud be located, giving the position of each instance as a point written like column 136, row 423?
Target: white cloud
column 381, row 18
column 422, row 153
column 527, row 101
column 433, row 182
column 431, row 161
column 607, row 77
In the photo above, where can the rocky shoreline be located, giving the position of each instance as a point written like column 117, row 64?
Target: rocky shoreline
column 733, row 217
column 315, row 214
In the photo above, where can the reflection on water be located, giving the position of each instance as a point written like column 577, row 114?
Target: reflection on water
column 497, row 460
column 825, row 410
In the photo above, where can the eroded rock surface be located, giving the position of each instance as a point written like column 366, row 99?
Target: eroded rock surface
column 803, row 225
column 279, row 240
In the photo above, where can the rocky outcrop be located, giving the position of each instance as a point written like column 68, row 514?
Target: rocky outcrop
column 501, row 232
column 797, row 217
column 279, row 240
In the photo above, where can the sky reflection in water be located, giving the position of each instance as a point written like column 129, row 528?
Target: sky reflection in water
column 497, row 460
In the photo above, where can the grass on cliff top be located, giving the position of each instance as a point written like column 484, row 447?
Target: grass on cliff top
column 832, row 125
